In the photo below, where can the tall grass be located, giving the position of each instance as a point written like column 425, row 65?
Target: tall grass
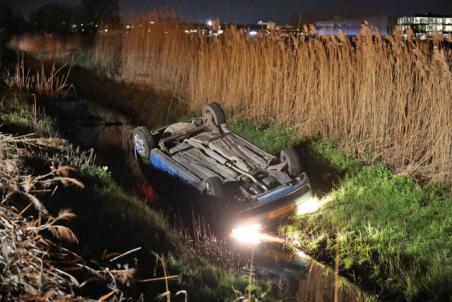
column 387, row 95
column 52, row 83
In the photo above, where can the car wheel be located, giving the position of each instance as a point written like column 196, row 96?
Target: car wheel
column 213, row 111
column 291, row 158
column 214, row 187
column 143, row 143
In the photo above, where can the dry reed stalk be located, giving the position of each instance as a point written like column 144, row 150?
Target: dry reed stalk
column 387, row 96
column 53, row 83
column 33, row 267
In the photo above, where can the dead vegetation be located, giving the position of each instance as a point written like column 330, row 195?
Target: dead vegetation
column 385, row 97
column 33, row 266
column 52, row 83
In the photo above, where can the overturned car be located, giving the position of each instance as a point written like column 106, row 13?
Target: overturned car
column 205, row 154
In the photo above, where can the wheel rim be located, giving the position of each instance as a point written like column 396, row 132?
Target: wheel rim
column 283, row 159
column 209, row 189
column 138, row 144
column 209, row 118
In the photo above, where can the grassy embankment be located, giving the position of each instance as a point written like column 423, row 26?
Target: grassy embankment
column 393, row 233
column 108, row 220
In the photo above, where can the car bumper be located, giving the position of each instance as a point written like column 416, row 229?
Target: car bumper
column 274, row 206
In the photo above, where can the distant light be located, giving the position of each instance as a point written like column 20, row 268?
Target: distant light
column 128, row 26
column 106, row 30
column 209, row 22
column 152, row 22
column 253, row 33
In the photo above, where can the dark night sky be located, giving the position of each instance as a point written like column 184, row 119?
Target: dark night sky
column 277, row 10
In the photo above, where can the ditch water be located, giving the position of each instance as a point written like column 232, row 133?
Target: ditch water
column 91, row 125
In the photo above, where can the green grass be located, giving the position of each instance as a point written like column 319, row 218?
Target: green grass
column 336, row 158
column 272, row 138
column 199, row 277
column 81, row 57
column 390, row 230
column 25, row 121
column 394, row 234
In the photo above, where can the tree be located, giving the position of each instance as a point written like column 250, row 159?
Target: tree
column 6, row 15
column 9, row 21
column 53, row 17
column 100, row 11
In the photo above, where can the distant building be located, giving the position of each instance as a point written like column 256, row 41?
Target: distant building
column 425, row 26
column 269, row 25
column 351, row 26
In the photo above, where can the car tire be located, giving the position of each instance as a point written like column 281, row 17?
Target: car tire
column 215, row 188
column 143, row 143
column 290, row 156
column 214, row 109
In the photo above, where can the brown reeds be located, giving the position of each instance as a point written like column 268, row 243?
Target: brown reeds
column 386, row 96
column 33, row 266
column 53, row 83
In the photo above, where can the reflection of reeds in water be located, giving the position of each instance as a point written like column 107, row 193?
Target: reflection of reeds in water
column 323, row 284
column 386, row 96
column 49, row 46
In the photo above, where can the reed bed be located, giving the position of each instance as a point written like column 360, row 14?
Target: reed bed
column 52, row 83
column 381, row 95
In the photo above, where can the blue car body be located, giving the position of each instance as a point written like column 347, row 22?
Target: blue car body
column 267, row 207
